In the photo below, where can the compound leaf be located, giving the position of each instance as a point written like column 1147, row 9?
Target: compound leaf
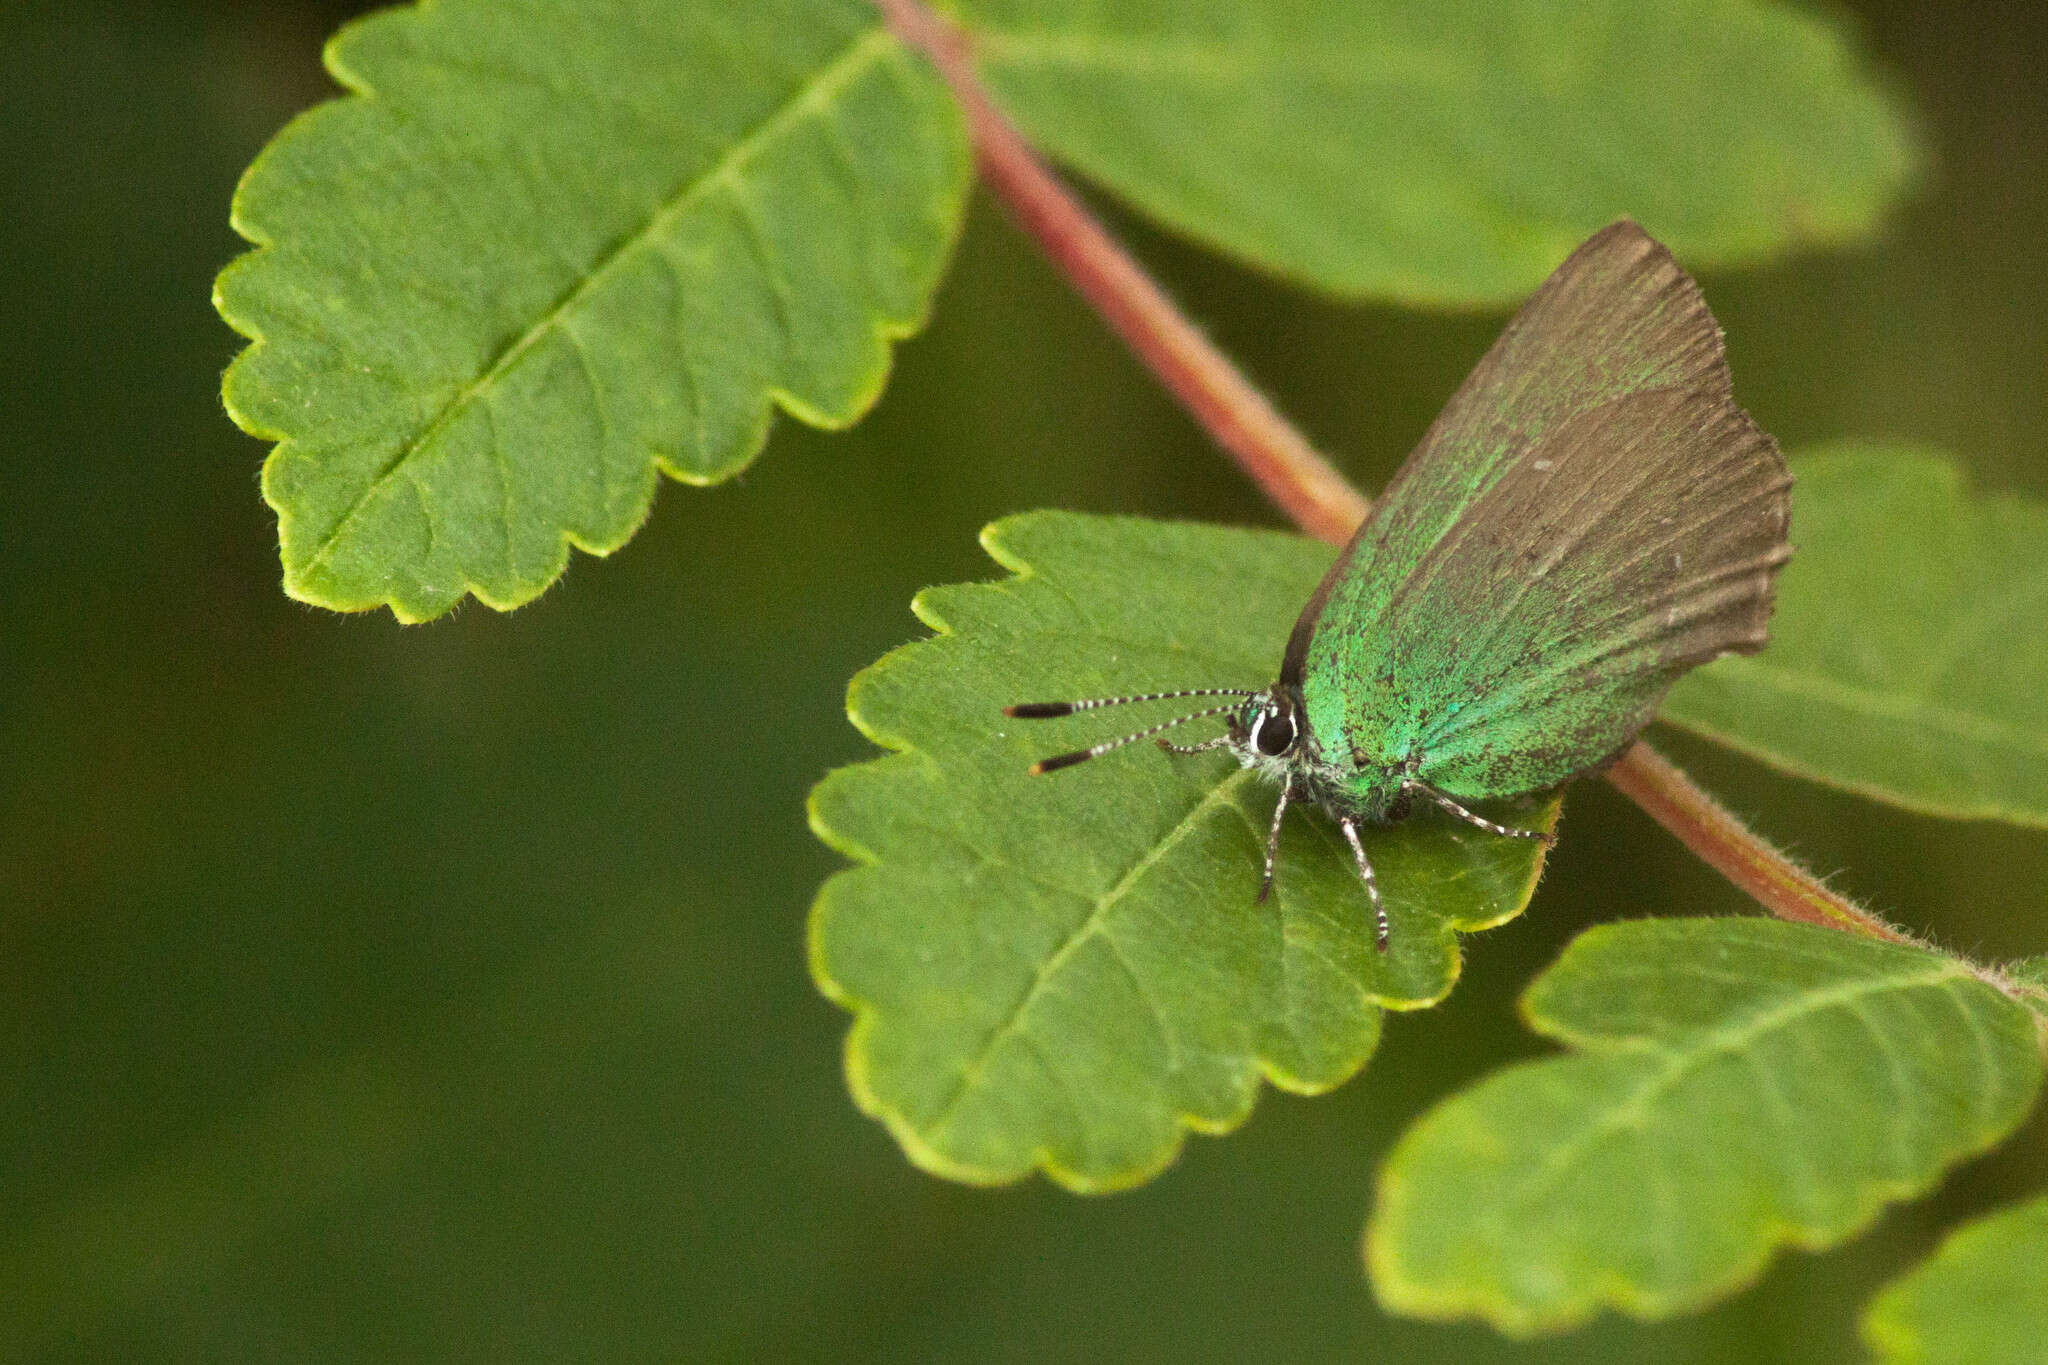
column 548, row 246
column 1982, row 1297
column 1734, row 1085
column 1453, row 151
column 1066, row 972
column 1907, row 660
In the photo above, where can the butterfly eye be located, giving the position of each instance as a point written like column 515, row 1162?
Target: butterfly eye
column 1273, row 735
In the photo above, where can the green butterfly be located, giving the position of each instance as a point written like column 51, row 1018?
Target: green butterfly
column 1590, row 517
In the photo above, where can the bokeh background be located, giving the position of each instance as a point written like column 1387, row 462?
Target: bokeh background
column 438, row 993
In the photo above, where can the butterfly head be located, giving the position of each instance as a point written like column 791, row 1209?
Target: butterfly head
column 1269, row 732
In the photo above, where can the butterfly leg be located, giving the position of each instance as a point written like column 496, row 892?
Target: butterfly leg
column 1273, row 843
column 1220, row 742
column 1384, row 932
column 1548, row 840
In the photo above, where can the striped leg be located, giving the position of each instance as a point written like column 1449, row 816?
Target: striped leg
column 1481, row 821
column 1273, row 843
column 1384, row 932
column 1220, row 742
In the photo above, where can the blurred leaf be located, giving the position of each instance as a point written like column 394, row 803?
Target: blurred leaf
column 1064, row 972
column 2032, row 975
column 1982, row 1298
column 1907, row 660
column 1452, row 153
column 550, row 246
column 1735, row 1085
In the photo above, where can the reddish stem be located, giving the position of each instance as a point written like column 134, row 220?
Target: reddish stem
column 1288, row 469
column 1283, row 464
column 1704, row 825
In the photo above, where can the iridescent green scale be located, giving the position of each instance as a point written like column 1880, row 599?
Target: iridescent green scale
column 1591, row 516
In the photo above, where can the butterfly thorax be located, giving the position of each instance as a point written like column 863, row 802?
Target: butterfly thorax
column 1276, row 736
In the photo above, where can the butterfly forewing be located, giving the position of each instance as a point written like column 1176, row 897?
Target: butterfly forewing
column 1590, row 516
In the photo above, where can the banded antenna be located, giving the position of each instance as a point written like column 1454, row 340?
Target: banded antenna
column 1047, row 710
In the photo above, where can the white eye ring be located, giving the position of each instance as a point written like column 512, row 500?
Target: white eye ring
column 1270, row 713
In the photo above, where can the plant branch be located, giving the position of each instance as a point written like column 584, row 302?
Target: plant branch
column 1290, row 471
column 1284, row 465
column 1721, row 841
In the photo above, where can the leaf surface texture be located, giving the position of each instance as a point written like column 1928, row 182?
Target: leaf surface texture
column 1066, row 972
column 1907, row 658
column 1733, row 1086
column 546, row 249
column 1450, row 152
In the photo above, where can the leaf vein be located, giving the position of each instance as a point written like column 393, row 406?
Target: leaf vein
column 1158, row 1015
column 1012, row 1024
column 1700, row 1048
column 1863, row 701
column 865, row 48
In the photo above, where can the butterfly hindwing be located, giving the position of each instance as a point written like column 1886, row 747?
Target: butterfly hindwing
column 1590, row 516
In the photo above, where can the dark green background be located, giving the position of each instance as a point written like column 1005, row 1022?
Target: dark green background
column 438, row 993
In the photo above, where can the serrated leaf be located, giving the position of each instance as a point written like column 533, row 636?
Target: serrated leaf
column 551, row 245
column 1981, row 1299
column 1452, row 151
column 1066, row 972
column 1907, row 660
column 1735, row 1085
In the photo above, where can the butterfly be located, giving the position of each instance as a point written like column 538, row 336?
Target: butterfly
column 1590, row 517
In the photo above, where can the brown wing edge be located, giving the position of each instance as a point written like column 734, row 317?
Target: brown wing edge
column 1639, row 253
column 1762, row 446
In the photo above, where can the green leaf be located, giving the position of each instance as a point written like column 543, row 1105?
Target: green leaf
column 1065, row 972
column 1735, row 1085
column 2029, row 977
column 1452, row 151
column 1982, row 1298
column 550, row 246
column 1907, row 660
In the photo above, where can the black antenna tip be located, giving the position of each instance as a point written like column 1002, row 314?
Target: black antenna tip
column 1057, row 761
column 1039, row 710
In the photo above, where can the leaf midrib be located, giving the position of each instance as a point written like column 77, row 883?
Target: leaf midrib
column 1689, row 1053
column 848, row 63
column 1889, row 706
column 1223, row 62
column 1222, row 794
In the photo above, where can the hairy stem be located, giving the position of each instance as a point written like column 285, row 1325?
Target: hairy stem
column 1289, row 470
column 1704, row 825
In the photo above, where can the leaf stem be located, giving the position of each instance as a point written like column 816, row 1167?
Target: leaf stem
column 1721, row 841
column 1279, row 460
column 1289, row 470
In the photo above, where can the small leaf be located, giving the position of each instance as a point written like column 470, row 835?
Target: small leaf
column 1453, row 151
column 1735, row 1085
column 1067, row 971
column 1981, row 1298
column 551, row 245
column 1907, row 660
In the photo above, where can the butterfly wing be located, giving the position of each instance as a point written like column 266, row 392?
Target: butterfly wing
column 1590, row 517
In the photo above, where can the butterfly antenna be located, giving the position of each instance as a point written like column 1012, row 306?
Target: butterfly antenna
column 1046, row 765
column 1046, row 710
